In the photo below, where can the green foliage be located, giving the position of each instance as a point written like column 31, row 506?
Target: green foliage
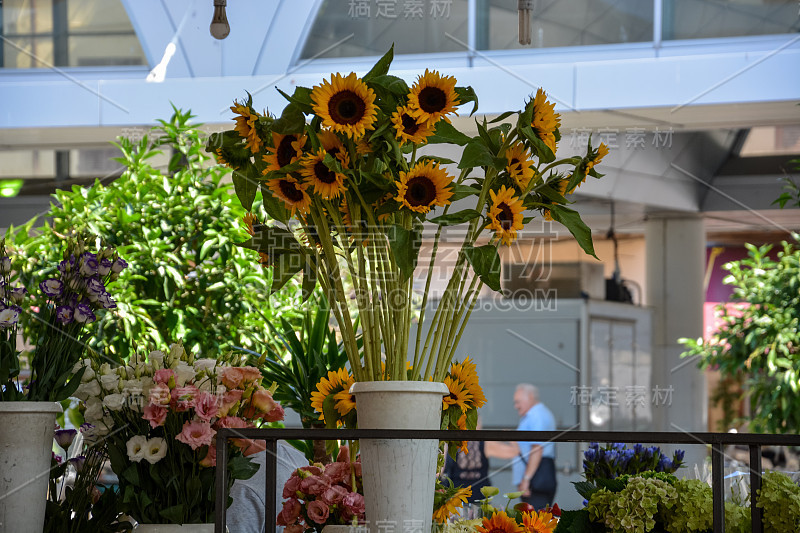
column 634, row 508
column 693, row 508
column 779, row 497
column 759, row 339
column 176, row 227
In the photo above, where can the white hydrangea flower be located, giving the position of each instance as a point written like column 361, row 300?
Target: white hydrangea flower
column 155, row 450
column 114, row 402
column 136, row 446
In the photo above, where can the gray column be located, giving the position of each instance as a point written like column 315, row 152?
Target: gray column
column 675, row 256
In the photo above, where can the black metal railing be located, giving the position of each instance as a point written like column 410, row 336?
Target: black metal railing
column 715, row 440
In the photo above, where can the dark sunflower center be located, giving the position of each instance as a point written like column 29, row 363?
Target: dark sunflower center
column 286, row 151
column 290, row 190
column 505, row 216
column 498, row 530
column 421, row 191
column 452, row 396
column 346, row 107
column 513, row 162
column 410, row 125
column 432, row 99
column 323, row 173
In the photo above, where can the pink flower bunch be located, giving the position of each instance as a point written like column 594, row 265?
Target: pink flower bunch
column 320, row 495
column 243, row 401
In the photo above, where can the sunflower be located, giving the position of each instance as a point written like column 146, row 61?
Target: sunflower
column 220, row 157
column 345, row 402
column 541, row 522
column 452, row 504
column 410, row 129
column 545, row 120
column 596, row 157
column 335, row 382
column 520, row 166
column 332, row 144
column 458, row 395
column 285, row 149
column 467, row 374
column 560, row 185
column 432, row 97
column 499, row 523
column 363, row 147
column 424, row 186
column 292, row 192
column 327, row 183
column 505, row 214
column 345, row 105
column 246, row 125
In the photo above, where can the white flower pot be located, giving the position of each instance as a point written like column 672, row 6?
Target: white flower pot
column 399, row 475
column 174, row 528
column 26, row 443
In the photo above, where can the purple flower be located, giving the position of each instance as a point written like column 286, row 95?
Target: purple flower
column 64, row 438
column 89, row 265
column 95, row 288
column 64, row 314
column 83, row 314
column 18, row 294
column 66, row 265
column 105, row 267
column 57, row 458
column 78, row 462
column 9, row 316
column 52, row 288
column 119, row 265
column 106, row 301
column 86, row 426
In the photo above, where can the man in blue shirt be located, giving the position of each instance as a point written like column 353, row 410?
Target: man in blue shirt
column 534, row 472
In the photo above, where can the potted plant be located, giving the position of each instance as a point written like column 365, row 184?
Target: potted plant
column 158, row 416
column 62, row 305
column 348, row 180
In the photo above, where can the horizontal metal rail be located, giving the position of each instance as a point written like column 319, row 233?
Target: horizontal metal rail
column 715, row 440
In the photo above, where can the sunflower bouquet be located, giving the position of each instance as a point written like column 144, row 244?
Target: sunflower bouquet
column 348, row 173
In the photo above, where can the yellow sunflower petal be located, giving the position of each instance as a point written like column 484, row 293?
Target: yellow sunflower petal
column 345, row 104
column 541, row 522
column 545, row 120
column 285, row 149
column 520, row 166
column 292, row 193
column 499, row 523
column 505, row 214
column 409, row 128
column 424, row 186
column 433, row 96
column 327, row 183
column 246, row 125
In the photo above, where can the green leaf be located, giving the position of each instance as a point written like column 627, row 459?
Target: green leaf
column 485, row 262
column 453, row 219
column 242, row 467
column 476, row 154
column 246, row 185
column 466, row 95
column 292, row 120
column 309, row 280
column 585, row 488
column 405, row 247
column 572, row 221
column 501, row 117
column 330, row 412
column 381, row 67
column 447, row 133
column 462, row 191
column 174, row 514
column 285, row 268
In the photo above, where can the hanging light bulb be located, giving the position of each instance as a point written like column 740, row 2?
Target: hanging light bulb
column 219, row 24
column 525, row 7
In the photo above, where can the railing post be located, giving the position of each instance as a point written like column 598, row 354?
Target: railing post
column 718, row 485
column 270, row 491
column 755, row 486
column 221, row 495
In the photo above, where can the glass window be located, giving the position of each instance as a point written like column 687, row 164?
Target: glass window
column 701, row 19
column 351, row 28
column 67, row 33
column 565, row 23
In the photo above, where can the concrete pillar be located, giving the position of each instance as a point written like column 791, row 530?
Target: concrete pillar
column 675, row 255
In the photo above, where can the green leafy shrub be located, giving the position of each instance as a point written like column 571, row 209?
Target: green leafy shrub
column 692, row 509
column 779, row 497
column 633, row 509
column 177, row 229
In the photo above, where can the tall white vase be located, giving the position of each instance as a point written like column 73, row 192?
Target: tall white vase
column 26, row 444
column 399, row 475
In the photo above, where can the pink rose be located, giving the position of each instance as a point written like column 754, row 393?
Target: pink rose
column 206, row 406
column 250, row 374
column 160, row 395
column 338, row 473
column 183, row 398
column 210, row 460
column 229, row 399
column 232, row 377
column 354, row 502
column 290, row 512
column 334, row 495
column 196, row 434
column 292, row 486
column 317, row 511
column 156, row 414
column 295, row 528
column 164, row 375
column 315, row 485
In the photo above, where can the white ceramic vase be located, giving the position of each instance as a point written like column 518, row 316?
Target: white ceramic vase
column 26, row 443
column 399, row 475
